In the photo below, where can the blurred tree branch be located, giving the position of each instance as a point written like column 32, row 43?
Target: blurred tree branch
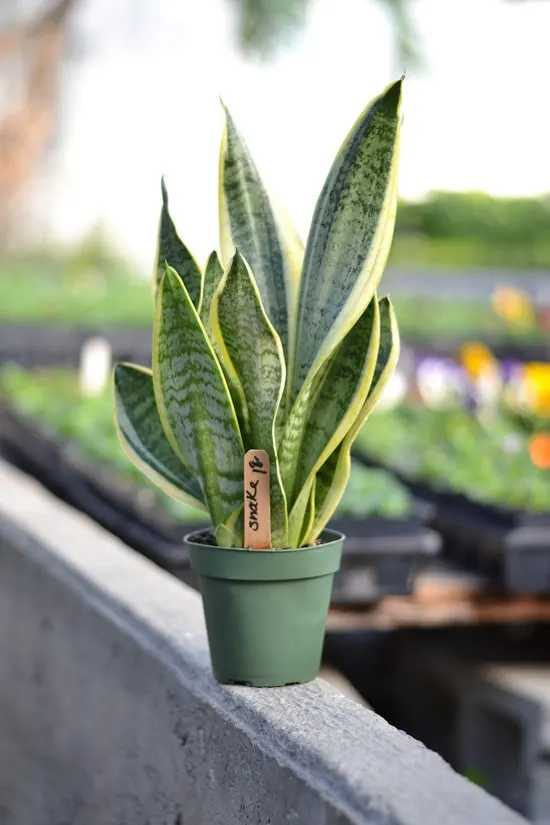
column 264, row 24
column 35, row 50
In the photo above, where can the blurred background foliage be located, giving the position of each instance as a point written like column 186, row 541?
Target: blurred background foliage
column 474, row 228
column 263, row 25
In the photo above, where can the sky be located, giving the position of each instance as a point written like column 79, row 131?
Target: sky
column 143, row 100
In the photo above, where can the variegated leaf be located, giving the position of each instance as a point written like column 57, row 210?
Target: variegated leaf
column 142, row 436
column 267, row 241
column 333, row 475
column 337, row 404
column 172, row 251
column 194, row 403
column 313, row 431
column 213, row 274
column 226, row 534
column 309, row 515
column 353, row 218
column 246, row 338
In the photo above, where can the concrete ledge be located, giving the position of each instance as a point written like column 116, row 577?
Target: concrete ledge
column 109, row 714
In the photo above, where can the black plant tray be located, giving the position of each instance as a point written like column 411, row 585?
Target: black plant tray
column 31, row 345
column 511, row 547
column 381, row 556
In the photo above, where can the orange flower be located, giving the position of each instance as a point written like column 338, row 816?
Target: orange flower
column 536, row 383
column 477, row 360
column 539, row 450
column 512, row 305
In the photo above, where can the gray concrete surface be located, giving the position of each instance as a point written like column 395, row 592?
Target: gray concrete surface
column 109, row 714
column 486, row 719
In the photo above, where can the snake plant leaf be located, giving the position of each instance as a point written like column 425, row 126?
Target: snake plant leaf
column 333, row 475
column 193, row 400
column 172, row 251
column 337, row 404
column 142, row 436
column 354, row 212
column 232, row 530
column 267, row 241
column 213, row 274
column 271, row 348
column 342, row 393
column 309, row 515
column 349, row 370
column 246, row 338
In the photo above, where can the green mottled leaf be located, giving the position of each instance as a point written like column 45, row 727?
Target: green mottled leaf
column 212, row 277
column 172, row 251
column 246, row 339
column 267, row 241
column 335, row 407
column 353, row 220
column 352, row 358
column 193, row 400
column 309, row 515
column 342, row 393
column 142, row 436
column 332, row 477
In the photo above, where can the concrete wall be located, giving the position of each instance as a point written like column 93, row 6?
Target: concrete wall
column 109, row 714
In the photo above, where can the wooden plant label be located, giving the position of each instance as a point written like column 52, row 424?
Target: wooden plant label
column 257, row 512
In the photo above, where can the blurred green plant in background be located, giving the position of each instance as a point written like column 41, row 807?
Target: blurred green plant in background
column 264, row 25
column 489, row 460
column 473, row 229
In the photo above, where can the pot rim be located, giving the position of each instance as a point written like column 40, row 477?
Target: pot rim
column 330, row 535
column 243, row 564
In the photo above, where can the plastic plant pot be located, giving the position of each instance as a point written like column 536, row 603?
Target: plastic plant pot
column 265, row 610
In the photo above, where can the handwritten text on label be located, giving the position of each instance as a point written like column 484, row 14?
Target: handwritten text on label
column 256, row 500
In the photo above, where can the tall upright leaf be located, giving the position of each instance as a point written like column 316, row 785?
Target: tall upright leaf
column 267, row 241
column 194, row 403
column 142, row 436
column 332, row 477
column 342, row 265
column 172, row 251
column 342, row 394
column 246, row 338
column 336, row 406
column 213, row 274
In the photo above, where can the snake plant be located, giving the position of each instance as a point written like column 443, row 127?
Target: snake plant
column 273, row 347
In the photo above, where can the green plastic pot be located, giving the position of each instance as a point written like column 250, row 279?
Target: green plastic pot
column 266, row 610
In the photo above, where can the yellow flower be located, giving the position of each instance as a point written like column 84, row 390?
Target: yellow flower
column 512, row 305
column 477, row 360
column 536, row 385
